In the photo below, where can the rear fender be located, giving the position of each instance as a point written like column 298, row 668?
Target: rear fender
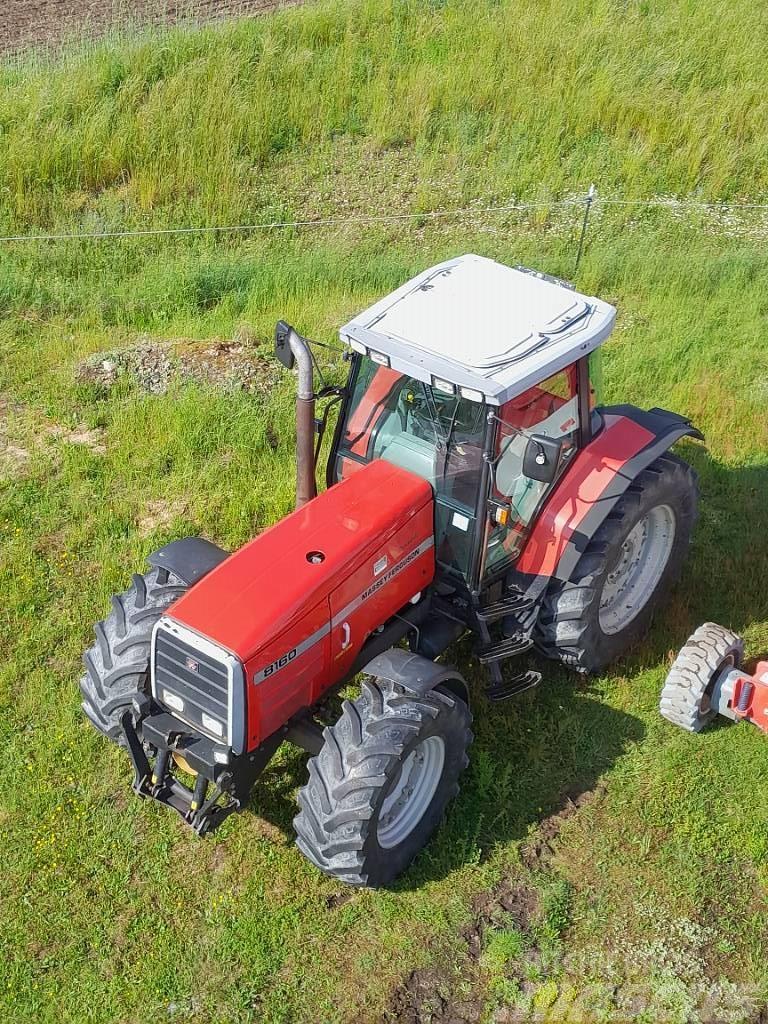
column 416, row 674
column 602, row 471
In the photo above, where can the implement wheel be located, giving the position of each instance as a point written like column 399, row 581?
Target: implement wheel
column 380, row 785
column 117, row 666
column 687, row 693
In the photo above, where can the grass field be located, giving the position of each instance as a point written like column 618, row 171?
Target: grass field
column 598, row 865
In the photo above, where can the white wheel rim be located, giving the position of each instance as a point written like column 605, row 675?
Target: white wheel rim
column 638, row 569
column 410, row 794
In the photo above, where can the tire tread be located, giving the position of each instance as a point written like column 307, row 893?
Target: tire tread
column 117, row 665
column 706, row 651
column 338, row 802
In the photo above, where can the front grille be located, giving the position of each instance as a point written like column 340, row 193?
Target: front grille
column 194, row 680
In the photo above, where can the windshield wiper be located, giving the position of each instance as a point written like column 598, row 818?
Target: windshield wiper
column 434, row 419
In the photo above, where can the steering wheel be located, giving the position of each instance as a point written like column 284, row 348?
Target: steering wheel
column 417, row 407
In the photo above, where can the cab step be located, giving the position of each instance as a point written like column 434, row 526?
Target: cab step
column 509, row 647
column 506, row 606
column 513, row 686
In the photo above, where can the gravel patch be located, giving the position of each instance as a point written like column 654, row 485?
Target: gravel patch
column 155, row 365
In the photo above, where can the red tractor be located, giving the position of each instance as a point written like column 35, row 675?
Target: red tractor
column 474, row 486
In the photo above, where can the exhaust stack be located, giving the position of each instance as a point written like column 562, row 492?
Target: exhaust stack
column 291, row 348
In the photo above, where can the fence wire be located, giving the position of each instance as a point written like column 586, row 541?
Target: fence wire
column 589, row 200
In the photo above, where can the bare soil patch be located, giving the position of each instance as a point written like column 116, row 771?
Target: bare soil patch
column 92, row 439
column 13, row 457
column 48, row 24
column 433, row 995
column 539, row 852
column 22, row 431
column 438, row 995
column 158, row 515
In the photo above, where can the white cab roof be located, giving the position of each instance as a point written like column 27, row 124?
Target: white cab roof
column 483, row 326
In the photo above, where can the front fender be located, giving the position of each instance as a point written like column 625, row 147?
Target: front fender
column 189, row 558
column 416, row 674
column 628, row 443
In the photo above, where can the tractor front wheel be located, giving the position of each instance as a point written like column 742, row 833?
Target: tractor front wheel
column 625, row 571
column 117, row 666
column 380, row 785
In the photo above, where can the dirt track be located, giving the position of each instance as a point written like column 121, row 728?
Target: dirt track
column 48, row 23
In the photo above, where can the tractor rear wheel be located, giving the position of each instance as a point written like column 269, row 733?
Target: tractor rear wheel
column 686, row 697
column 379, row 787
column 625, row 571
column 117, row 666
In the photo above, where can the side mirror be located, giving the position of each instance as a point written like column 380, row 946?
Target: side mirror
column 542, row 458
column 282, row 348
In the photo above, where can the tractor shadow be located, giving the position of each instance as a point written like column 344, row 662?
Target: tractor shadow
column 532, row 758
column 541, row 755
column 723, row 579
column 273, row 797
column 534, row 761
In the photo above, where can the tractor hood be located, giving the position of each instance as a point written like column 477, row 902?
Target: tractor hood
column 290, row 569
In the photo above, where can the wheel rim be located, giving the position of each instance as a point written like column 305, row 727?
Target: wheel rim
column 638, row 569
column 410, row 794
column 705, row 704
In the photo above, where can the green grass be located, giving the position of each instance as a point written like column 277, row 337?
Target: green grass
column 110, row 911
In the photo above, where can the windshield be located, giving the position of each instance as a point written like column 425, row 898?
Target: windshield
column 437, row 436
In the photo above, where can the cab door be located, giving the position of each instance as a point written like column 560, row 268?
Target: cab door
column 550, row 409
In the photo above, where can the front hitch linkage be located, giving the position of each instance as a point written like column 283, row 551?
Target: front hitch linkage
column 158, row 783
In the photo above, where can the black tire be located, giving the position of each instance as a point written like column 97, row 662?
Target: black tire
column 685, row 699
column 340, row 821
column 117, row 666
column 571, row 625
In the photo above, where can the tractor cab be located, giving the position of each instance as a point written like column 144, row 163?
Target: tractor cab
column 475, row 377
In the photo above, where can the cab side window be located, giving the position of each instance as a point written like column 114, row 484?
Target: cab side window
column 551, row 409
column 373, row 389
